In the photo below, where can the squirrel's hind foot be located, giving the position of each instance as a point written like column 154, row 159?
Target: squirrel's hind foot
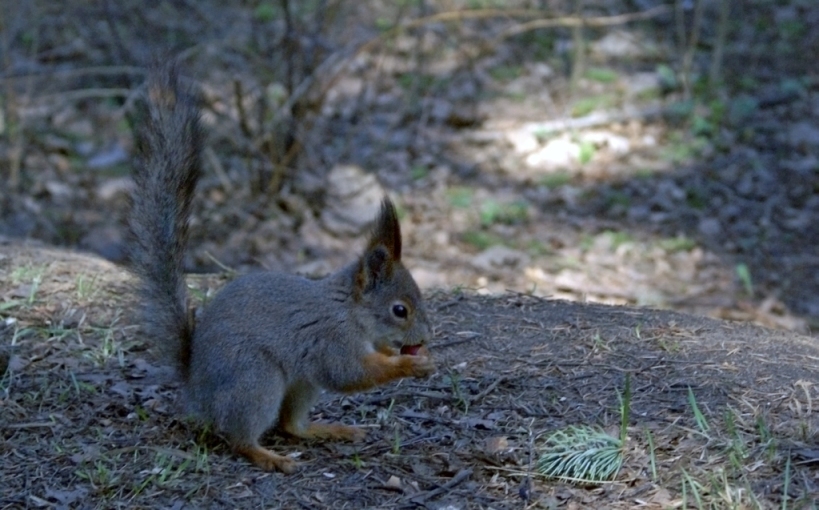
column 331, row 431
column 267, row 460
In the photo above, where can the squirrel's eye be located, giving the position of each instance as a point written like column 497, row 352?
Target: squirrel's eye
column 399, row 311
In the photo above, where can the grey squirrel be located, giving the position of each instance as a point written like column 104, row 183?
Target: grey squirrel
column 268, row 343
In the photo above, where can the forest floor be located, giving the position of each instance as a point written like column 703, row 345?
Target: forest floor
column 627, row 162
column 722, row 415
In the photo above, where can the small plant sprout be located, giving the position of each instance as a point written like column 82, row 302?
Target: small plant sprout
column 462, row 401
column 587, row 152
column 35, row 285
column 383, row 415
column 625, row 408
column 652, row 454
column 737, row 445
column 744, row 275
column 85, row 286
column 786, row 483
column 202, row 458
column 396, row 442
column 357, row 463
column 581, row 455
column 556, row 179
column 598, row 341
column 702, row 422
column 695, row 488
column 10, row 304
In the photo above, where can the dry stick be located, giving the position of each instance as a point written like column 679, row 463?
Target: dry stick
column 487, row 390
column 244, row 125
column 219, row 263
column 240, row 108
column 522, row 13
column 679, row 17
column 576, row 21
column 304, row 87
column 79, row 95
column 218, row 168
column 526, row 486
column 571, row 124
column 277, row 179
column 579, row 47
column 8, row 111
column 719, row 47
column 289, row 34
column 280, row 164
column 441, row 345
column 694, row 40
column 566, row 21
column 74, row 73
column 458, row 478
column 11, row 114
column 595, row 119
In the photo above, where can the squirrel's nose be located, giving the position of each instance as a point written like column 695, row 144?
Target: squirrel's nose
column 422, row 332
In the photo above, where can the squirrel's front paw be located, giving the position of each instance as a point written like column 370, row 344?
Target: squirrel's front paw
column 422, row 366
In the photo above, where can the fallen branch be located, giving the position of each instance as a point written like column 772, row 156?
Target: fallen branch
column 594, row 119
column 569, row 123
column 577, row 21
column 455, row 480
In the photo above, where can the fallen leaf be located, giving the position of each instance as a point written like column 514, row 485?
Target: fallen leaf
column 496, row 444
column 394, row 483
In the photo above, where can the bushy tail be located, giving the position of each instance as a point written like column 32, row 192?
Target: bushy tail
column 169, row 140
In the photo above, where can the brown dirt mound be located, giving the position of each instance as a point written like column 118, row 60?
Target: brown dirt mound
column 721, row 413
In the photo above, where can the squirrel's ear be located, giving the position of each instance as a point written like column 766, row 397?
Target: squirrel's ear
column 387, row 231
column 383, row 249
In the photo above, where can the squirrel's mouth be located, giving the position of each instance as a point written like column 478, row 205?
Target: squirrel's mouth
column 411, row 350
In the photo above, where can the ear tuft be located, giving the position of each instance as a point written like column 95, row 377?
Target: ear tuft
column 387, row 231
column 383, row 250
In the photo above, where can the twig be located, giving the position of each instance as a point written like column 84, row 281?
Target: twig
column 525, row 491
column 694, row 40
column 63, row 74
column 285, row 110
column 240, row 108
column 280, row 168
column 679, row 17
column 455, row 480
column 15, row 114
column 221, row 265
column 579, row 49
column 719, row 46
column 487, row 390
column 79, row 95
column 213, row 159
column 578, row 21
column 595, row 119
column 572, row 124
column 454, row 342
column 12, row 116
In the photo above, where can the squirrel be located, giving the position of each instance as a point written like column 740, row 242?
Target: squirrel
column 259, row 354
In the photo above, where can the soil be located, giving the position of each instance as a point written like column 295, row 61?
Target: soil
column 90, row 421
column 657, row 168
